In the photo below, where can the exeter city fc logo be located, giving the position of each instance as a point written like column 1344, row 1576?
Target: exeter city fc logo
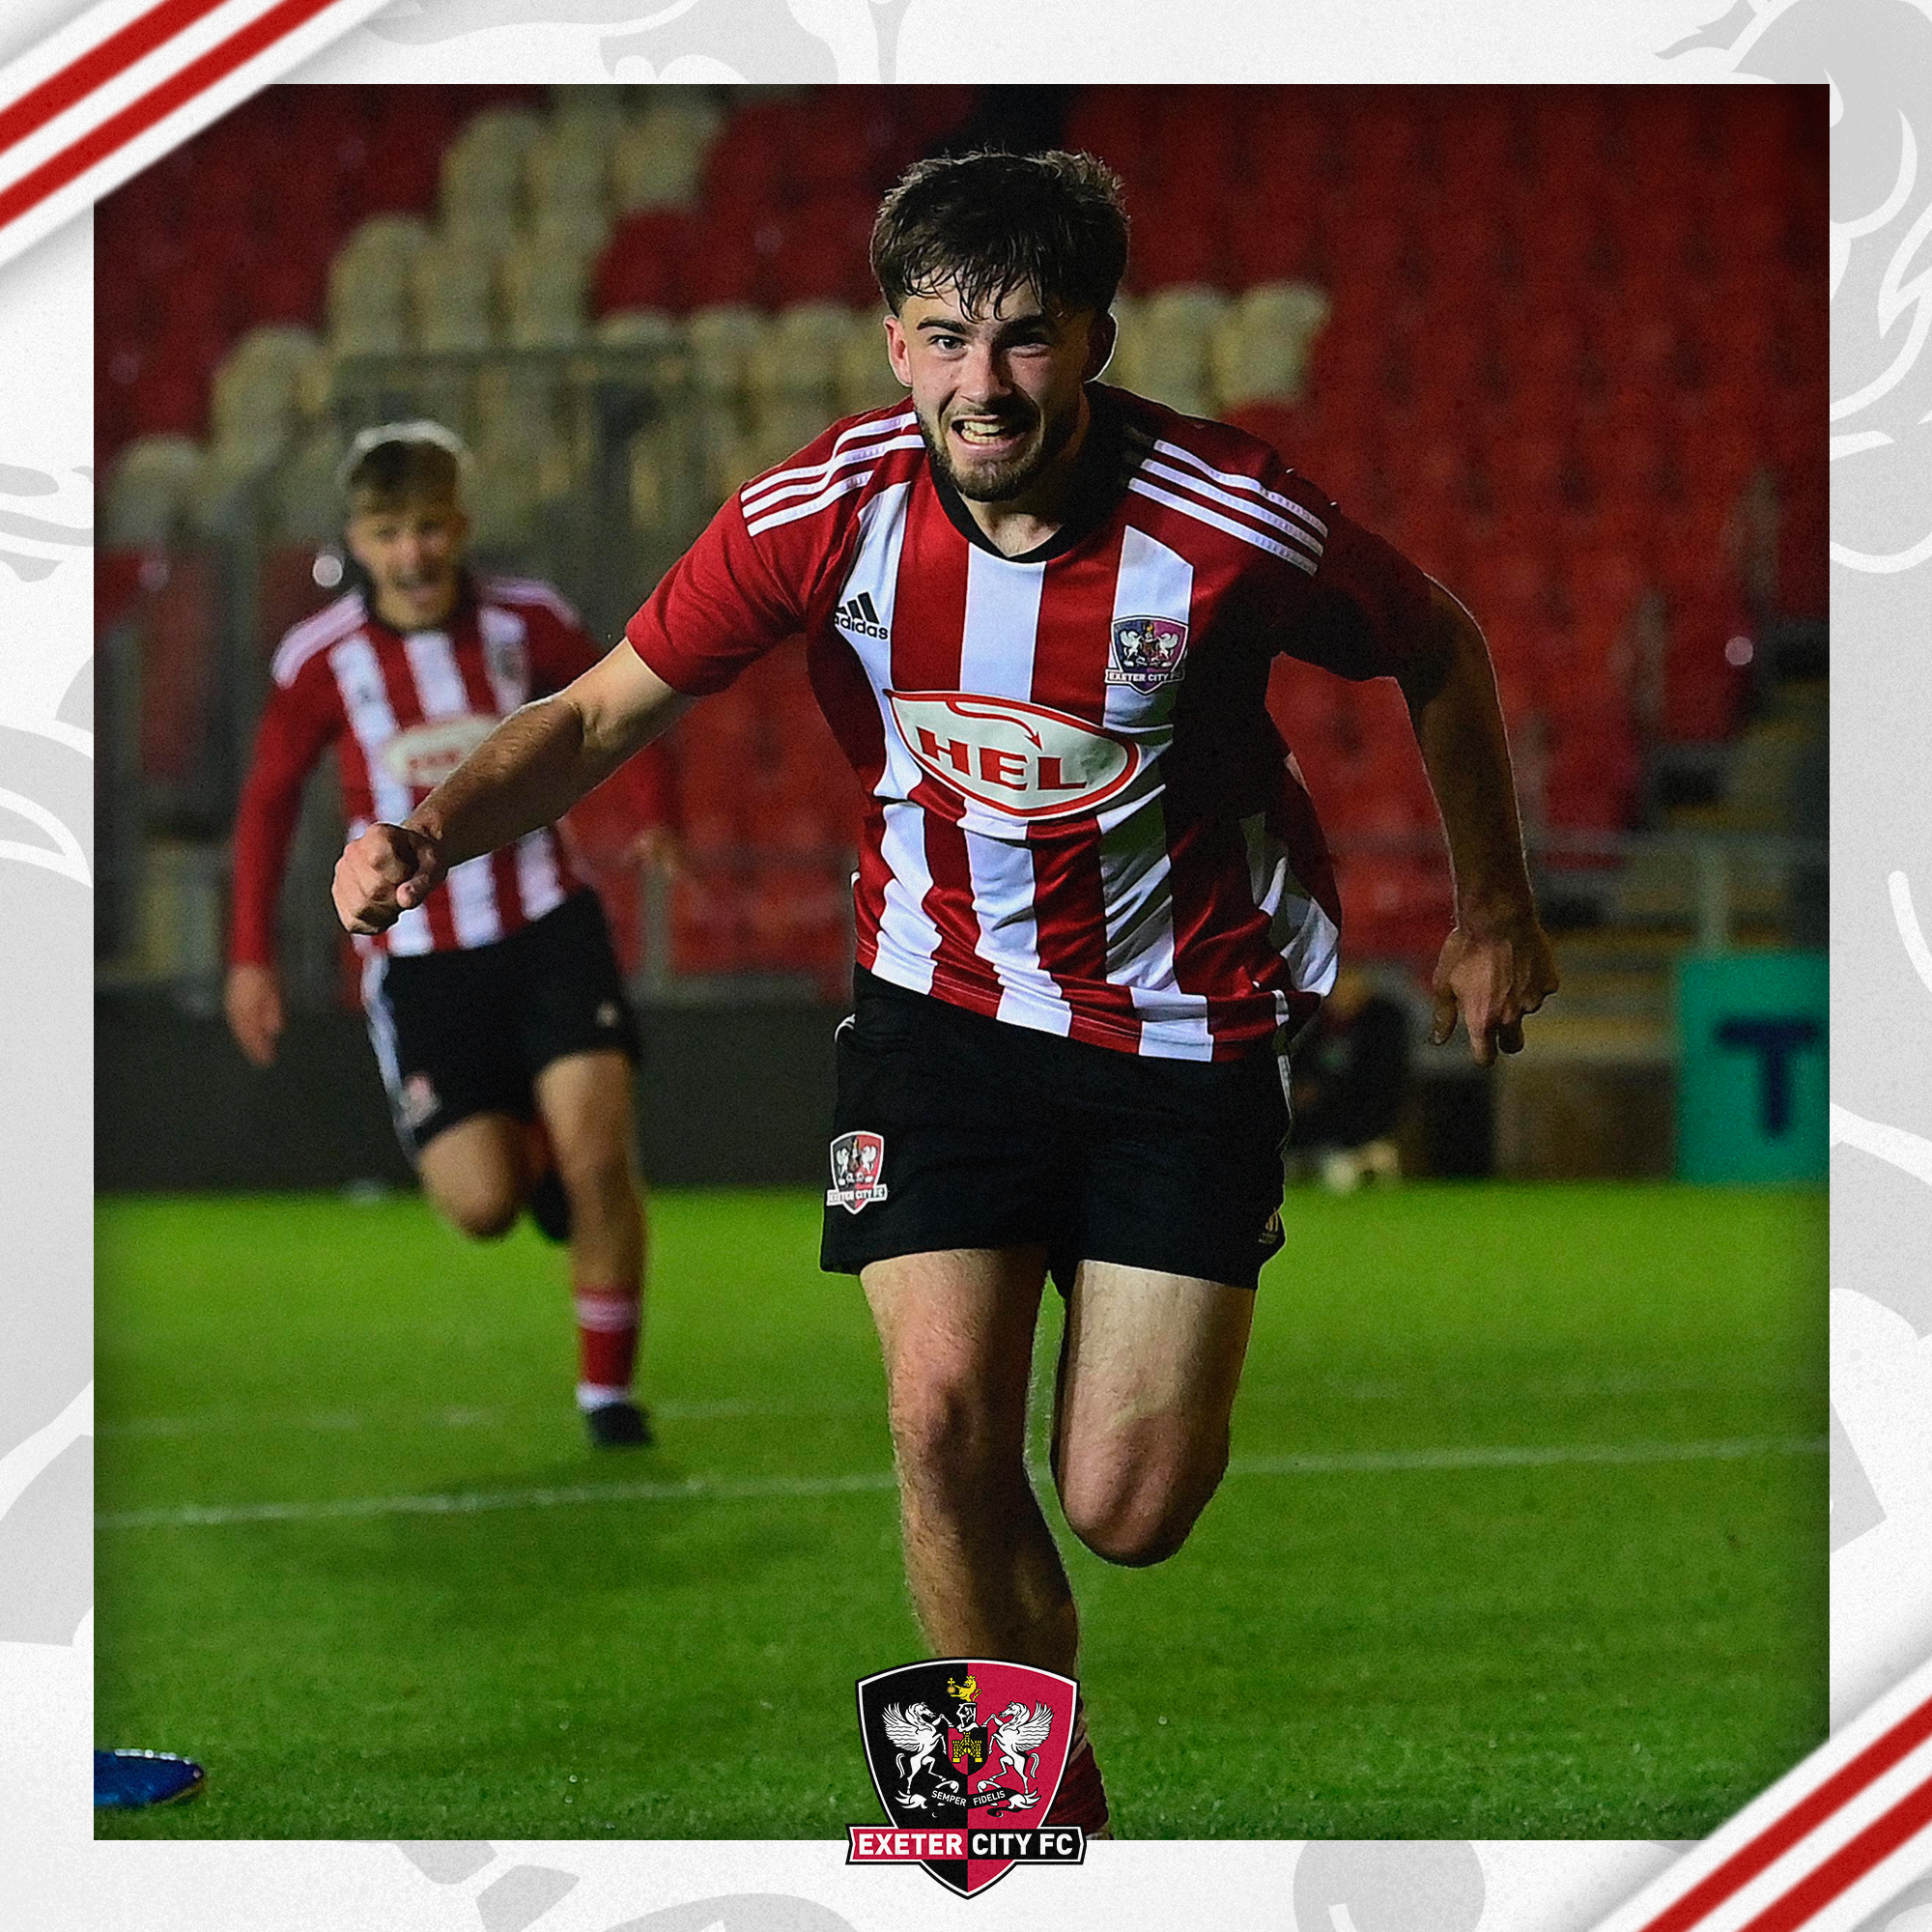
column 858, row 1172
column 966, row 1757
column 1147, row 652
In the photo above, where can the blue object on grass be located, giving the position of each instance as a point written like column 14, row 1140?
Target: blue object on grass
column 134, row 1780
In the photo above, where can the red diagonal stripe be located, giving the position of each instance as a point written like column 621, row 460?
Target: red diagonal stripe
column 156, row 105
column 1805, row 1817
column 1849, row 1864
column 97, row 66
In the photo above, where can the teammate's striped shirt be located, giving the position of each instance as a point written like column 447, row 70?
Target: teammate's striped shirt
column 402, row 710
column 1079, row 816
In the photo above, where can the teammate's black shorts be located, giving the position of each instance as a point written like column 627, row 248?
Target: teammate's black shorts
column 953, row 1130
column 458, row 1033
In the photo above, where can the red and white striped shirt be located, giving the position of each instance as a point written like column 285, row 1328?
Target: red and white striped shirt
column 1079, row 816
column 403, row 710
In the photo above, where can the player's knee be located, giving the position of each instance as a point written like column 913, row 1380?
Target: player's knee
column 947, row 1437
column 483, row 1214
column 1137, row 1510
column 1131, row 1531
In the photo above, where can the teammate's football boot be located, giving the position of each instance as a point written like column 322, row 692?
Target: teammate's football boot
column 1081, row 1798
column 618, row 1425
column 130, row 1780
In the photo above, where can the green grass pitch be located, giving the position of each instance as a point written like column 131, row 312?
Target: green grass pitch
column 1524, row 1534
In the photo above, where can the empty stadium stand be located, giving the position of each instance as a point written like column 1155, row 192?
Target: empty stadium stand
column 1567, row 346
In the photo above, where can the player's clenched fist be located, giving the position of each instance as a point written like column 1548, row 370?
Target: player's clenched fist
column 383, row 873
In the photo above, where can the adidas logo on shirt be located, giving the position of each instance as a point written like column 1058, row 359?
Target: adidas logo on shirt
column 861, row 614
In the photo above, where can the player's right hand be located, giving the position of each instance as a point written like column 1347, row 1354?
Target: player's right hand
column 382, row 875
column 253, row 1000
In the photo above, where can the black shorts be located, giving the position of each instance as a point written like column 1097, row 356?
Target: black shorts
column 953, row 1130
column 458, row 1033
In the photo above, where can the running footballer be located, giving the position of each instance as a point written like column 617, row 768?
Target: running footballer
column 497, row 1013
column 1093, row 899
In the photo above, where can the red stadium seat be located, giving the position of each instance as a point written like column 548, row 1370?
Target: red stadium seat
column 168, row 400
column 178, row 641
column 1393, row 907
column 1591, row 778
column 1113, row 122
column 1702, row 689
column 1624, row 460
column 646, row 263
column 707, row 925
column 122, row 581
column 1282, row 426
column 1311, row 708
column 820, row 253
column 291, row 284
column 286, row 591
column 1804, row 557
column 1177, row 242
column 1272, row 235
column 834, row 152
column 754, row 159
column 1604, row 583
column 1528, row 467
column 401, row 168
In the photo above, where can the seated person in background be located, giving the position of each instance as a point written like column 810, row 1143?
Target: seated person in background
column 1350, row 1080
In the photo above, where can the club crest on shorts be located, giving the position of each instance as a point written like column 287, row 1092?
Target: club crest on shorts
column 966, row 1756
column 1147, row 652
column 858, row 1172
column 420, row 1100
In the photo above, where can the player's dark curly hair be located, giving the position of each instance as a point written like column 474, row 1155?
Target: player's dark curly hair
column 991, row 221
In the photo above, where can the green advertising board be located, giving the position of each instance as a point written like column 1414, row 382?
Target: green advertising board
column 1751, row 1101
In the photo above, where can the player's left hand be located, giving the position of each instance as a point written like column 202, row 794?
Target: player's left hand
column 1489, row 977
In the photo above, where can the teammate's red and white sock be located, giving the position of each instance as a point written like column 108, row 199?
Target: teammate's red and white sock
column 607, row 1321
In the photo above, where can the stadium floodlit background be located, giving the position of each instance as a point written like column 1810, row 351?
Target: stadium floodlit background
column 1527, row 1476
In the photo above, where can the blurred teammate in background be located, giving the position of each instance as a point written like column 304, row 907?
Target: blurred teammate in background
column 499, row 1014
column 1092, row 899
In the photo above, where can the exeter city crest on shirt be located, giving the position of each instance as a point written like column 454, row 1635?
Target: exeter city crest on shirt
column 966, row 1756
column 1147, row 652
column 858, row 1172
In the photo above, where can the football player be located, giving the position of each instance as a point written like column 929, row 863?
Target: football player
column 1093, row 901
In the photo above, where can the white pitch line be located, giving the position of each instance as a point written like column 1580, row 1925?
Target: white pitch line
column 710, row 1489
column 731, row 1409
column 1370, row 1462
column 229, row 1421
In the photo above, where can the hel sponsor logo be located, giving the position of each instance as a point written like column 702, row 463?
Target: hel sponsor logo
column 425, row 754
column 861, row 615
column 857, row 1165
column 950, row 1777
column 1016, row 759
column 1147, row 652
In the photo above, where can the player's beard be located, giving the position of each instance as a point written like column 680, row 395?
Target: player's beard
column 1003, row 480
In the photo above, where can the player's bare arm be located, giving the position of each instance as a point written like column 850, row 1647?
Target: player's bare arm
column 527, row 772
column 1495, row 965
